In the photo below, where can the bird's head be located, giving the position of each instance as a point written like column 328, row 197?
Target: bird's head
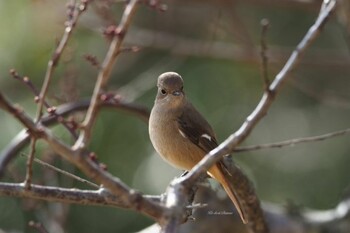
column 170, row 89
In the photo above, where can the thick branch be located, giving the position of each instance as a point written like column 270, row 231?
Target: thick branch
column 22, row 138
column 80, row 159
column 99, row 197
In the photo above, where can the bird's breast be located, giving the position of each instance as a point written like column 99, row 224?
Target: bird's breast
column 170, row 143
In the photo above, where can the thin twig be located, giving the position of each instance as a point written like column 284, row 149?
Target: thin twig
column 70, row 24
column 85, row 164
column 65, row 173
column 92, row 60
column 265, row 75
column 50, row 109
column 23, row 138
column 28, row 83
column 29, row 171
column 105, row 72
column 182, row 46
column 293, row 142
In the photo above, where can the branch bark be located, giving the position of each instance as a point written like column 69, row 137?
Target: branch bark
column 23, row 138
column 77, row 10
column 100, row 197
column 81, row 159
column 105, row 72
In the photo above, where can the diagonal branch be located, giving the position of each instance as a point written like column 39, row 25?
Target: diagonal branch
column 57, row 54
column 266, row 101
column 105, row 72
column 242, row 133
column 80, row 159
column 23, row 138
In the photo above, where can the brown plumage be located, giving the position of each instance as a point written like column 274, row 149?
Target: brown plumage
column 181, row 135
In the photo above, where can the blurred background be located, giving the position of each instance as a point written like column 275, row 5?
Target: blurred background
column 215, row 46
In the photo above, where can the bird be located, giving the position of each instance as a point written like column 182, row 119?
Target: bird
column 182, row 136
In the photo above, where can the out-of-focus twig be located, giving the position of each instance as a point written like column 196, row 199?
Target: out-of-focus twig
column 81, row 160
column 325, row 97
column 104, row 73
column 50, row 109
column 70, row 24
column 293, row 142
column 263, row 50
column 56, row 169
column 182, row 46
column 22, row 138
column 29, row 169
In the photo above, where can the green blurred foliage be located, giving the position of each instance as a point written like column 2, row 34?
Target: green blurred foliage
column 224, row 90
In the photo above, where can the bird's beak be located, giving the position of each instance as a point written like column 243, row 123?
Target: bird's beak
column 177, row 93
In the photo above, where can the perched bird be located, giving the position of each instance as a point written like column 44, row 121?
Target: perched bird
column 181, row 135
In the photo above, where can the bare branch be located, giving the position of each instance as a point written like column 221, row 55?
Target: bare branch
column 293, row 142
column 22, row 138
column 56, row 169
column 25, row 80
column 70, row 24
column 81, row 159
column 50, row 109
column 105, row 72
column 260, row 111
column 99, row 197
column 29, row 171
column 266, row 101
column 279, row 218
column 182, row 46
column 263, row 46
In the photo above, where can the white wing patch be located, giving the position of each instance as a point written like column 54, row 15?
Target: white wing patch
column 182, row 133
column 206, row 136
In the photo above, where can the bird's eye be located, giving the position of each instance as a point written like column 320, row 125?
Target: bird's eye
column 163, row 91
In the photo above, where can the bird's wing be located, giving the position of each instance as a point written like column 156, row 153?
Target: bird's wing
column 194, row 127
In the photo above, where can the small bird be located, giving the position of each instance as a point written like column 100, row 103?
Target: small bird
column 181, row 135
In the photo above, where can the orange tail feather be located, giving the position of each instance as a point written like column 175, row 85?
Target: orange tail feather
column 217, row 174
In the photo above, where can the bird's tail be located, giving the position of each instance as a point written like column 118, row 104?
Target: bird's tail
column 217, row 173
